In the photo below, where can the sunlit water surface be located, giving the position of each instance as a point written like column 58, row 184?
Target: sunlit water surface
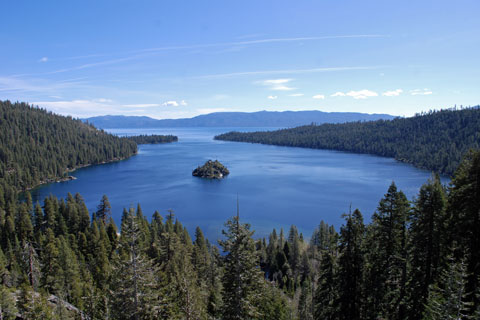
column 276, row 186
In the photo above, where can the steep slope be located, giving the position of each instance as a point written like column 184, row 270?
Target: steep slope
column 37, row 146
column 435, row 141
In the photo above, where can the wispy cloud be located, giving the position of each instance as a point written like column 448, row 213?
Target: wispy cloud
column 87, row 56
column 277, row 84
column 421, row 92
column 319, row 96
column 284, row 72
column 173, row 103
column 261, row 41
column 359, row 95
column 272, row 97
column 392, row 93
column 81, row 108
column 296, row 95
column 43, row 59
column 94, row 107
column 15, row 84
column 101, row 106
column 211, row 110
column 362, row 94
column 136, row 54
column 170, row 104
column 104, row 100
column 94, row 64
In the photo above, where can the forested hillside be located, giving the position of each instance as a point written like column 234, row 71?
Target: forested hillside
column 436, row 140
column 415, row 260
column 37, row 146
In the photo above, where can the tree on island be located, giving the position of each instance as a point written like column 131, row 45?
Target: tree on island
column 211, row 170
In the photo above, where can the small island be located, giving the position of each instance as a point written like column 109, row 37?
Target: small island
column 211, row 170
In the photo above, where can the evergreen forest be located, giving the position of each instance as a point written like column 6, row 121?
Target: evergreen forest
column 436, row 140
column 37, row 146
column 153, row 139
column 417, row 258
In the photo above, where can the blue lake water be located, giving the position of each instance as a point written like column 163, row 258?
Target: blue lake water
column 276, row 186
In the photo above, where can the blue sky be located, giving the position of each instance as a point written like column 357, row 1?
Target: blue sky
column 173, row 59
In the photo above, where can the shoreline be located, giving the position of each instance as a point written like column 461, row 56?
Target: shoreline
column 71, row 177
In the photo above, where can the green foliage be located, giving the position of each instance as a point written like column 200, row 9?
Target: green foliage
column 448, row 301
column 211, row 170
column 427, row 244
column 326, row 294
column 8, row 308
column 242, row 279
column 37, row 146
column 350, row 266
column 104, row 210
column 153, row 139
column 134, row 280
column 57, row 263
column 273, row 304
column 387, row 256
column 154, row 269
column 464, row 220
column 435, row 141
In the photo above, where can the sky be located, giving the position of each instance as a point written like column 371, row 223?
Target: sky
column 177, row 59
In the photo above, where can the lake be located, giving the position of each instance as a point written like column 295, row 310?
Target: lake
column 276, row 186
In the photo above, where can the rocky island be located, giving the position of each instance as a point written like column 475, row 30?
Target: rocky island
column 211, row 170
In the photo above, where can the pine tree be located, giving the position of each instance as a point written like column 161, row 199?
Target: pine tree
column 31, row 264
column 242, row 279
column 448, row 299
column 326, row 294
column 464, row 220
column 98, row 256
column 350, row 266
column 294, row 252
column 33, row 306
column 135, row 279
column 84, row 215
column 24, row 224
column 273, row 304
column 305, row 302
column 4, row 272
column 386, row 265
column 191, row 298
column 69, row 277
column 8, row 309
column 38, row 217
column 50, row 263
column 201, row 255
column 426, row 243
column 214, row 284
column 104, row 209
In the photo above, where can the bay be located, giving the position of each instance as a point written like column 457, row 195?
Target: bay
column 276, row 186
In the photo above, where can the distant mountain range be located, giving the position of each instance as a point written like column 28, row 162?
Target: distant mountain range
column 237, row 119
